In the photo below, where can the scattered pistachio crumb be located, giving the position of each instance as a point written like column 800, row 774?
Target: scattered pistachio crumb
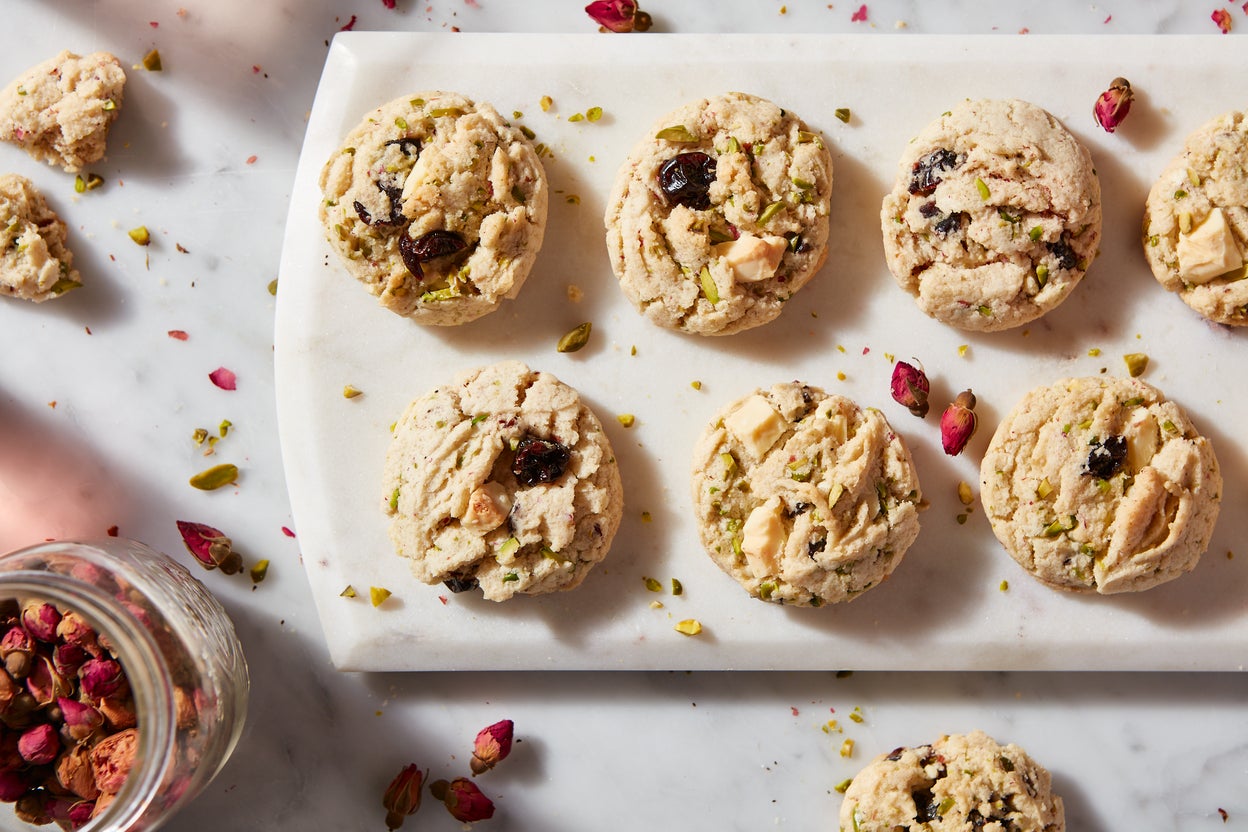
column 151, row 61
column 856, row 714
column 224, row 427
column 961, row 518
column 843, row 786
column 572, row 199
column 889, row 357
column 528, row 132
column 689, row 626
column 215, row 477
column 378, row 595
column 840, row 376
column 847, row 748
column 273, row 287
column 1094, row 352
column 964, row 493
column 626, row 419
column 349, row 392
column 1137, row 363
column 575, row 339
column 633, row 350
column 832, row 726
column 140, row 235
column 593, row 114
column 656, row 605
column 652, row 584
column 517, row 114
column 695, row 384
column 80, row 185
column 260, row 571
column 677, row 587
column 199, row 436
column 575, row 294
column 843, row 114
column 963, row 349
column 1005, row 586
column 546, row 103
column 576, row 117
column 349, row 592
column 645, row 517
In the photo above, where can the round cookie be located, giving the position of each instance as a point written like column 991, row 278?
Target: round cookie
column 60, row 110
column 960, row 783
column 1196, row 221
column 502, row 479
column 720, row 214
column 1101, row 484
column 995, row 216
column 803, row 497
column 34, row 262
column 437, row 205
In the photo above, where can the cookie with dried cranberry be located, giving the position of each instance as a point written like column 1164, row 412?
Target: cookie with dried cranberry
column 60, row 111
column 503, row 480
column 1101, row 484
column 720, row 214
column 995, row 215
column 960, row 783
column 34, row 262
column 803, row 497
column 1196, row 221
column 437, row 205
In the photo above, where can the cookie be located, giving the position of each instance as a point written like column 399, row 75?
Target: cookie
column 1196, row 221
column 1101, row 484
column 720, row 214
column 803, row 497
column 437, row 205
column 995, row 216
column 34, row 262
column 60, row 111
column 960, row 783
column 502, row 479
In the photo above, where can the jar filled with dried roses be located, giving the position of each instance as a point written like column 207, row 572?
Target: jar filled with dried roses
column 123, row 687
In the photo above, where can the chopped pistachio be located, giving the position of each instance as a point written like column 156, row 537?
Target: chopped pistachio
column 856, row 714
column 843, row 114
column 1059, row 526
column 645, row 517
column 349, row 592
column 439, row 112
column 847, row 747
column 802, row 184
column 215, row 477
column 400, row 122
column 576, row 117
column 273, row 287
column 1185, row 222
column 394, row 499
column 151, row 61
column 769, row 212
column 224, row 427
column 528, row 132
column 80, row 185
column 708, row 285
column 378, row 595
column 1004, row 586
column 1042, row 275
column 1035, row 234
column 690, row 627
column 804, row 137
column 843, row 786
column 109, row 105
column 963, row 349
column 730, row 462
column 695, row 384
column 677, row 587
column 652, row 584
column 985, row 310
column 962, row 518
column 1169, row 427
column 546, row 103
column 199, row 436
column 349, row 392
column 964, row 493
column 140, row 235
column 1137, row 363
column 1180, row 194
column 63, row 285
column 576, row 339
column 593, row 114
column 676, row 133
column 260, row 571
column 1094, row 352
column 510, row 577
column 982, row 187
column 1044, row 489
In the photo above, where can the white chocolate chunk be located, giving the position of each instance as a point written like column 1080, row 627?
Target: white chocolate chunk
column 756, row 425
column 763, row 537
column 1143, row 440
column 751, row 258
column 488, row 507
column 1209, row 250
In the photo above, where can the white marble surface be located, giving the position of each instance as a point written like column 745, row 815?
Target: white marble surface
column 601, row 751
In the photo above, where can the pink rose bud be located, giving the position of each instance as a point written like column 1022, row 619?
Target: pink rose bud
column 463, row 799
column 210, row 547
column 76, row 632
column 40, row 620
column 67, row 658
column 402, row 797
column 80, row 813
column 958, row 423
column 81, row 720
column 491, row 746
column 13, row 784
column 910, row 388
column 1112, row 107
column 39, row 745
column 44, row 683
column 103, row 678
column 618, row 15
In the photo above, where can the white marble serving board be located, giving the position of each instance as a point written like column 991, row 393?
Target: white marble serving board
column 944, row 607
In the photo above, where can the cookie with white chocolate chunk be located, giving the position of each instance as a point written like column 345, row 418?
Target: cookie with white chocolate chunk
column 720, row 214
column 503, row 480
column 804, row 497
column 1196, row 221
column 1101, row 484
column 437, row 205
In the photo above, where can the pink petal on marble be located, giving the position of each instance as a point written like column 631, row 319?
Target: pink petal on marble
column 223, row 378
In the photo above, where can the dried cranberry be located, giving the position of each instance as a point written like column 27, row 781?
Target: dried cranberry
column 539, row 460
column 395, row 194
column 925, row 806
column 1066, row 257
column 429, row 247
column 924, row 176
column 929, row 209
column 410, row 147
column 949, row 224
column 896, row 753
column 814, row 547
column 1106, row 457
column 686, row 180
column 455, row 583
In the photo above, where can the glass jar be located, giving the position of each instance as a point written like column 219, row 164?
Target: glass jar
column 178, row 650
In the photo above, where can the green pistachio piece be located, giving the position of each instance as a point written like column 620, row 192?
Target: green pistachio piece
column 1137, row 363
column 1035, row 234
column 982, row 187
column 576, row 339
column 64, row 285
column 151, row 61
column 140, row 235
column 215, row 477
column 80, row 185
column 769, row 212
column 378, row 595
column 109, row 105
column 1042, row 275
column 260, row 571
column 349, row 592
column 439, row 112
column 675, row 133
column 843, row 114
column 593, row 114
column 626, row 419
column 709, row 288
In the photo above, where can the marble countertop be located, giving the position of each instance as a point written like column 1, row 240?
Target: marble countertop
column 98, row 405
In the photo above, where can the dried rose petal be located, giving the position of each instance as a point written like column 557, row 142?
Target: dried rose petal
column 618, row 15
column 859, row 16
column 463, row 799
column 40, row 620
column 350, row 24
column 39, row 745
column 492, row 745
column 1223, row 18
column 910, row 388
column 223, row 378
column 210, row 547
column 958, row 423
column 103, row 678
column 178, row 334
column 1113, row 105
column 81, row 720
column 389, row 4
column 402, row 796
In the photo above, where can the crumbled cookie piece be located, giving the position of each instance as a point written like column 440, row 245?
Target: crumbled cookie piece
column 34, row 263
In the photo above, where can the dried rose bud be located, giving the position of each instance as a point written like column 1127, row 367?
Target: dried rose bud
column 958, row 423
column 70, row 812
column 13, row 784
column 618, row 15
column 20, row 711
column 10, row 757
column 103, row 678
column 112, row 758
column 73, row 773
column 16, row 648
column 81, row 720
column 44, row 683
column 184, row 707
column 40, row 620
column 491, row 746
column 68, row 658
column 402, row 796
column 210, row 547
column 39, row 745
column 32, row 808
column 1113, row 105
column 463, row 799
column 910, row 388
column 119, row 712
column 9, row 687
column 74, row 631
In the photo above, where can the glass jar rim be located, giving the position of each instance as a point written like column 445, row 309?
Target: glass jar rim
column 146, row 671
